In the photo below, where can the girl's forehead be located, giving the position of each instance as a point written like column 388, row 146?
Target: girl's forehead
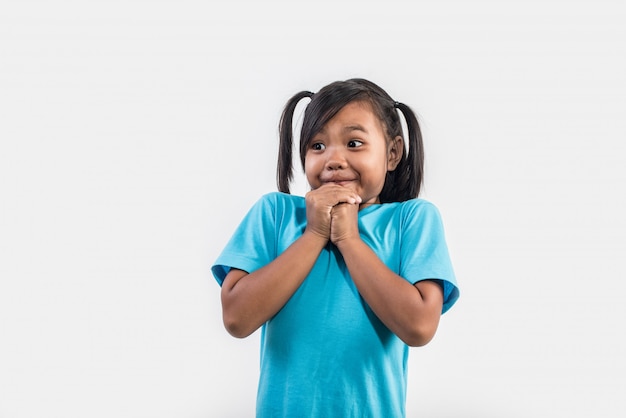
column 355, row 110
column 356, row 113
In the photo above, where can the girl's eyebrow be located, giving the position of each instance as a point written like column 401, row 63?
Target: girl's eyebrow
column 347, row 129
column 356, row 127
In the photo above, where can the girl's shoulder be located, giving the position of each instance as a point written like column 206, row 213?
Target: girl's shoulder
column 282, row 198
column 413, row 212
column 423, row 208
column 409, row 206
column 279, row 201
column 418, row 202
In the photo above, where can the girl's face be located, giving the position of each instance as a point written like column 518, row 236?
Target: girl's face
column 351, row 150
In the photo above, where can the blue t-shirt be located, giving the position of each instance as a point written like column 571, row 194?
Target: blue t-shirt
column 325, row 354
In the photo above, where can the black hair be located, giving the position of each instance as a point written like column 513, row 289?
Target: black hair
column 401, row 184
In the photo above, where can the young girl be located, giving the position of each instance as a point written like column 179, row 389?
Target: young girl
column 341, row 281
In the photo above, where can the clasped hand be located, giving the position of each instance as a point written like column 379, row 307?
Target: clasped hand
column 332, row 212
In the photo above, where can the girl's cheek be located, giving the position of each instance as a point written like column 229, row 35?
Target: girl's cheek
column 309, row 165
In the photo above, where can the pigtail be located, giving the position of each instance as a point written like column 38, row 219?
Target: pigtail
column 410, row 172
column 284, row 171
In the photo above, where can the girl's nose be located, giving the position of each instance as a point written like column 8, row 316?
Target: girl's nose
column 335, row 159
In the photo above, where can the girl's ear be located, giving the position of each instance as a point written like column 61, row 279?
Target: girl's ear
column 394, row 152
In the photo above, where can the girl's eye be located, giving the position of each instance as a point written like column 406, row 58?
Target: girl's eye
column 318, row 146
column 354, row 143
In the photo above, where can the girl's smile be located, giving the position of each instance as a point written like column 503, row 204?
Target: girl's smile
column 351, row 150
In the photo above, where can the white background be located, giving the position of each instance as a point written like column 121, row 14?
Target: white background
column 136, row 134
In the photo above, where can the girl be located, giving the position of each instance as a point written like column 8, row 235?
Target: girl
column 342, row 281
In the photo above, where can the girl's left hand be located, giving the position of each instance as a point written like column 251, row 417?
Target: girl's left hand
column 344, row 223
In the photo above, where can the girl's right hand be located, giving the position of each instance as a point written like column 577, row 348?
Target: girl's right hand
column 319, row 205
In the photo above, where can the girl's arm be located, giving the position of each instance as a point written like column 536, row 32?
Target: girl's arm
column 411, row 312
column 251, row 299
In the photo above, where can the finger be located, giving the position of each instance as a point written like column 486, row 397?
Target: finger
column 354, row 199
column 350, row 197
column 339, row 194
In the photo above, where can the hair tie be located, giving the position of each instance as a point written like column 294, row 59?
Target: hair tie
column 396, row 104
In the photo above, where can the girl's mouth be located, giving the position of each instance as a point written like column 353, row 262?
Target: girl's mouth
column 339, row 182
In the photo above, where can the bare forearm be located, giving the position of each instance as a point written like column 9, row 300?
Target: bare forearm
column 249, row 300
column 411, row 312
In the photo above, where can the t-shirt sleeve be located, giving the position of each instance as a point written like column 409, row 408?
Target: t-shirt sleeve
column 424, row 252
column 252, row 245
